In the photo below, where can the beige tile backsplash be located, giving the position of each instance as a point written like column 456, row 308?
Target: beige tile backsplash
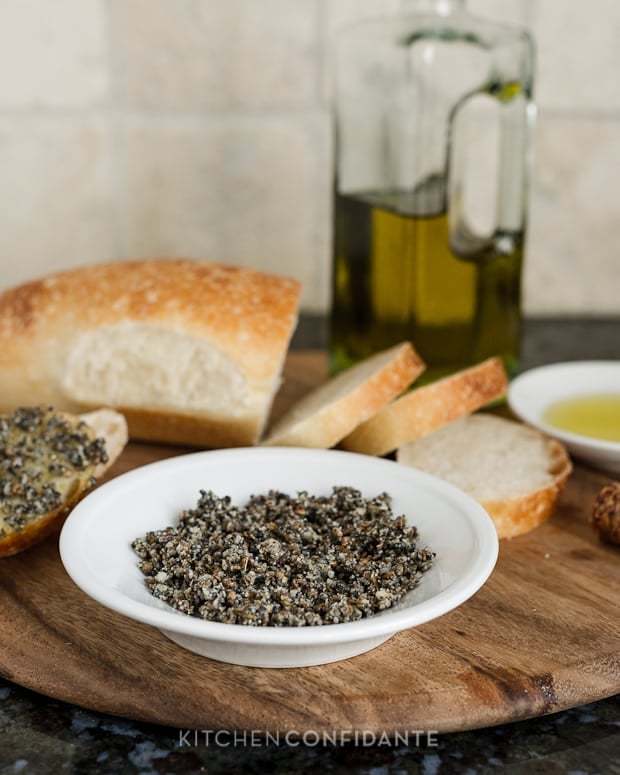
column 201, row 128
column 239, row 188
column 209, row 55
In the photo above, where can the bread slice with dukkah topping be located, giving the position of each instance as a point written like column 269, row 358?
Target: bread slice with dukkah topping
column 515, row 472
column 426, row 408
column 331, row 411
column 48, row 461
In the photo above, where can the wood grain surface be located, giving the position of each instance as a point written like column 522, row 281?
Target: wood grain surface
column 542, row 635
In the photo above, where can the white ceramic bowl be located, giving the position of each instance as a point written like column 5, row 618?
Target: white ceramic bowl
column 531, row 394
column 96, row 552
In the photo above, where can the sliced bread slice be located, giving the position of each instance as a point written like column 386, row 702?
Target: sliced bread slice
column 515, row 472
column 427, row 408
column 331, row 411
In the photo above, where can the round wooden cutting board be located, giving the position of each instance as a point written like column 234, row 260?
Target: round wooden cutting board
column 542, row 635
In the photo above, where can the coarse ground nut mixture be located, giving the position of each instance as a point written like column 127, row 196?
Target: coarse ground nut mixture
column 284, row 561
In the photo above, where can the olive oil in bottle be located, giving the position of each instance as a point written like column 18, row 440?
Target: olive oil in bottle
column 399, row 275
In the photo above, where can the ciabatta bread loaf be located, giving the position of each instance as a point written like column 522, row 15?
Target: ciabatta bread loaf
column 327, row 414
column 48, row 461
column 515, row 472
column 190, row 352
column 426, row 408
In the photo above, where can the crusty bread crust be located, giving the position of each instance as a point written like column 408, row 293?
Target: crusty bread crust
column 519, row 515
column 245, row 318
column 47, row 525
column 18, row 541
column 105, row 424
column 325, row 415
column 515, row 472
column 424, row 409
column 185, row 429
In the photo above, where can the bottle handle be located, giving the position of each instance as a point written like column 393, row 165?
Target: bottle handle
column 488, row 169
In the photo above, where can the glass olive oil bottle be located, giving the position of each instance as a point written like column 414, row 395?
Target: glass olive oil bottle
column 433, row 112
column 397, row 276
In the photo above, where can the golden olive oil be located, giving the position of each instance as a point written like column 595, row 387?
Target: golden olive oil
column 398, row 275
column 594, row 415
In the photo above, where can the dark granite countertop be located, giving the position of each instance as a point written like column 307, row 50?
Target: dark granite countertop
column 39, row 735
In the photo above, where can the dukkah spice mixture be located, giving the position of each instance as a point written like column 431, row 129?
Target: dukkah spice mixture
column 284, row 561
column 41, row 453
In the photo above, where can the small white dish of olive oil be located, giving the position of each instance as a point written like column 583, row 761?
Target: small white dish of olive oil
column 577, row 402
